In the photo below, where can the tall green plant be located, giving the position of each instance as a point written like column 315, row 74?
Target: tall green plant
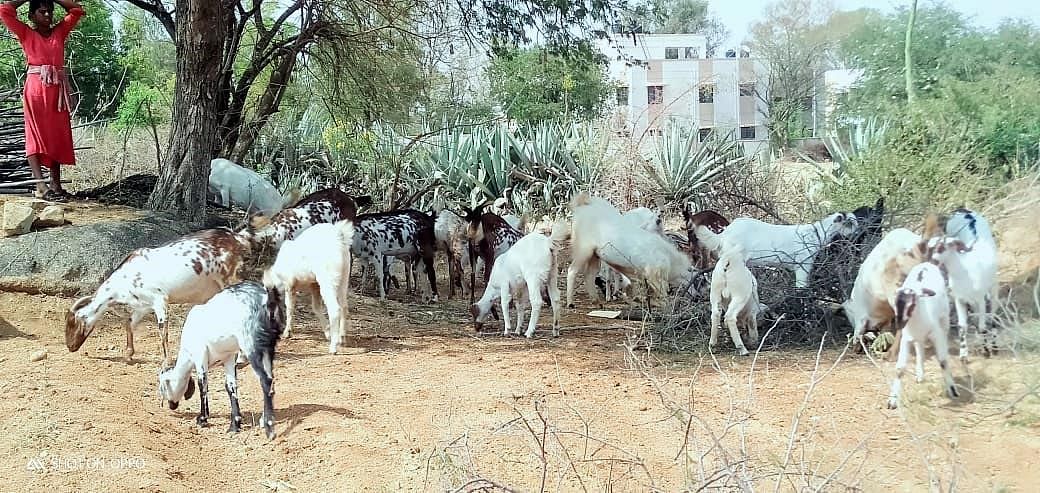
column 682, row 168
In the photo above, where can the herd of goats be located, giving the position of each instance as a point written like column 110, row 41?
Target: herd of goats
column 906, row 281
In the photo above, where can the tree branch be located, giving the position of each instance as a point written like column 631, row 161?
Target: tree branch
column 158, row 10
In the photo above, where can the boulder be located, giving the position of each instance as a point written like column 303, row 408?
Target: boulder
column 52, row 215
column 18, row 218
column 74, row 260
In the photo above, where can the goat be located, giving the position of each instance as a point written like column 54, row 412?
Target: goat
column 450, row 231
column 611, row 282
column 188, row 270
column 245, row 188
column 969, row 255
column 529, row 266
column 324, row 206
column 599, row 232
column 405, row 232
column 703, row 257
column 792, row 247
column 318, row 260
column 491, row 236
column 869, row 306
column 732, row 282
column 922, row 311
column 244, row 318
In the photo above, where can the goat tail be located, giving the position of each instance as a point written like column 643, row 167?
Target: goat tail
column 561, row 232
column 707, row 238
column 583, row 198
column 291, row 198
column 272, row 318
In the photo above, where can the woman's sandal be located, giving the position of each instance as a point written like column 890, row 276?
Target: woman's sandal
column 52, row 196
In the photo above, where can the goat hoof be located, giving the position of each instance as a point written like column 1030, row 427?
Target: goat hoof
column 893, row 403
column 233, row 428
column 202, row 422
column 952, row 391
column 570, row 305
column 128, row 353
column 270, row 433
column 742, row 352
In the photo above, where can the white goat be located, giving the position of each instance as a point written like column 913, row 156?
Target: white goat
column 245, row 188
column 528, row 266
column 732, row 282
column 601, row 233
column 792, row 247
column 870, row 304
column 613, row 283
column 189, row 270
column 969, row 254
column 922, row 310
column 317, row 260
column 243, row 319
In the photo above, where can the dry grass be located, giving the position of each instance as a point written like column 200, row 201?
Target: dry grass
column 113, row 155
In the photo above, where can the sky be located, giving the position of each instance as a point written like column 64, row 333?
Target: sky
column 737, row 15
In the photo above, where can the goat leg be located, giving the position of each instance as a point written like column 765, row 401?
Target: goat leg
column 203, row 419
column 261, row 362
column 231, row 385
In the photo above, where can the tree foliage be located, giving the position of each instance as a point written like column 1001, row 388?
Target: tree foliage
column 976, row 83
column 534, row 85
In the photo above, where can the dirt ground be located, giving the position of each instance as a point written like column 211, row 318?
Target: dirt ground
column 416, row 401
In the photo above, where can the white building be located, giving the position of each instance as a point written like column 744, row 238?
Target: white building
column 665, row 79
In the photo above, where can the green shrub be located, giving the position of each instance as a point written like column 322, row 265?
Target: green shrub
column 140, row 106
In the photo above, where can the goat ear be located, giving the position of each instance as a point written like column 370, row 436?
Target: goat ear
column 190, row 390
column 927, row 292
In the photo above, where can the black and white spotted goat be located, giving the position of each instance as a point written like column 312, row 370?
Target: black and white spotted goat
column 244, row 318
column 405, row 232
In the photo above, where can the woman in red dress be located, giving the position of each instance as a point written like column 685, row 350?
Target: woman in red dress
column 48, row 125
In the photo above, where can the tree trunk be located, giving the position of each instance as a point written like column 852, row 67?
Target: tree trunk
column 184, row 173
column 268, row 105
column 910, row 96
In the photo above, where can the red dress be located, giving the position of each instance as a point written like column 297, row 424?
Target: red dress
column 48, row 126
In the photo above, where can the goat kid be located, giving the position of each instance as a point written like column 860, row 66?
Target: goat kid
column 322, row 207
column 734, row 284
column 404, row 232
column 318, row 261
column 189, row 270
column 922, row 311
column 969, row 254
column 490, row 236
column 529, row 267
column 246, row 319
column 703, row 257
column 450, row 231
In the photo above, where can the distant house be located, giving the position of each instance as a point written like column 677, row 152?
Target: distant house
column 666, row 79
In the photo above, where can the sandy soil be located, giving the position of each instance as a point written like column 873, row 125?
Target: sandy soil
column 418, row 402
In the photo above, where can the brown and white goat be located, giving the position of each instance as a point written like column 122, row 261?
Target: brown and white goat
column 405, row 232
column 490, row 236
column 703, row 256
column 324, row 206
column 189, row 270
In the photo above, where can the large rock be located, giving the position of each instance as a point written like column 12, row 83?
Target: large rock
column 52, row 215
column 75, row 259
column 18, row 218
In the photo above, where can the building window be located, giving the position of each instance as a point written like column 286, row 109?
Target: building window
column 654, row 94
column 707, row 93
column 747, row 133
column 692, row 52
column 747, row 89
column 671, row 53
column 704, row 134
column 654, row 132
column 622, row 96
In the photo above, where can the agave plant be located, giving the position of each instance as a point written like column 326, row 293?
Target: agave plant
column 681, row 168
column 844, row 147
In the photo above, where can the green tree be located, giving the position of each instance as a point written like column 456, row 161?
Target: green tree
column 534, row 85
column 688, row 16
